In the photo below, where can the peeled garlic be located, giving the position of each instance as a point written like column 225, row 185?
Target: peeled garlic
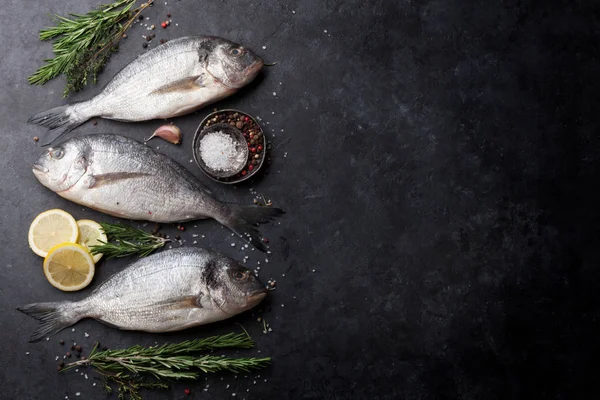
column 171, row 133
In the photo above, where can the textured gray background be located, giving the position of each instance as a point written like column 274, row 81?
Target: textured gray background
column 439, row 178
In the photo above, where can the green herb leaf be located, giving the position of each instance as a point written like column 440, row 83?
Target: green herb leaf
column 139, row 367
column 125, row 240
column 84, row 43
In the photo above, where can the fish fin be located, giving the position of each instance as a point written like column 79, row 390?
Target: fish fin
column 243, row 220
column 54, row 317
column 97, row 181
column 59, row 121
column 181, row 302
column 182, row 85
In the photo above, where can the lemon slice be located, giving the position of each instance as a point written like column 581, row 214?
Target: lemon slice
column 69, row 267
column 50, row 228
column 90, row 232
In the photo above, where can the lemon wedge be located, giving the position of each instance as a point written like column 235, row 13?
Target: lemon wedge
column 50, row 228
column 69, row 267
column 90, row 234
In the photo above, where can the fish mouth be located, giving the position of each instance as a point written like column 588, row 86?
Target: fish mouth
column 255, row 67
column 38, row 169
column 257, row 296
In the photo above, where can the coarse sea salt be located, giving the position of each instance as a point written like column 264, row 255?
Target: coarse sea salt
column 219, row 152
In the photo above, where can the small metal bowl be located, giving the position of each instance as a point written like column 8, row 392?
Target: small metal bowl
column 244, row 173
column 240, row 147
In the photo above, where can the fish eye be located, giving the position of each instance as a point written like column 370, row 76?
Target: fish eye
column 239, row 275
column 57, row 153
column 235, row 52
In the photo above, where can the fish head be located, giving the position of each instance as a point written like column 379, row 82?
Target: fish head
column 233, row 65
column 241, row 290
column 60, row 167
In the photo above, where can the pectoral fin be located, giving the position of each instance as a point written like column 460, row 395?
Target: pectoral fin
column 183, row 85
column 97, row 181
column 177, row 303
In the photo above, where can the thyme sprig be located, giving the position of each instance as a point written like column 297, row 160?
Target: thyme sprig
column 83, row 43
column 125, row 240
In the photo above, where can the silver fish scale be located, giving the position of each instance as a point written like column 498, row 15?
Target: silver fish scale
column 147, row 295
column 129, row 95
column 163, row 191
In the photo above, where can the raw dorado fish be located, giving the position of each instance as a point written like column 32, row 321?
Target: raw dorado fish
column 169, row 291
column 173, row 79
column 124, row 178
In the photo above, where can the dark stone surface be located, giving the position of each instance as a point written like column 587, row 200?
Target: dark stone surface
column 440, row 180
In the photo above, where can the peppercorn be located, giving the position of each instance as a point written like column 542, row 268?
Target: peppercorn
column 144, row 45
column 265, row 240
column 94, row 122
column 244, row 172
column 61, row 364
column 168, row 15
column 149, row 37
column 59, row 368
column 256, row 155
column 141, row 17
column 259, row 148
column 239, row 125
column 61, row 341
column 35, row 138
column 187, row 391
column 164, row 25
column 152, row 27
column 246, row 119
column 78, row 348
column 68, row 354
column 250, row 167
column 73, row 347
column 253, row 149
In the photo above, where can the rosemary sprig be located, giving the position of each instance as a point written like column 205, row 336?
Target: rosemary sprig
column 84, row 43
column 152, row 367
column 126, row 240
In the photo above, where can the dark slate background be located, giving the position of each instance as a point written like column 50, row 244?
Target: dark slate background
column 437, row 160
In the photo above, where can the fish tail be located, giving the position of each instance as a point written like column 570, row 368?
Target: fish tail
column 59, row 121
column 54, row 317
column 243, row 220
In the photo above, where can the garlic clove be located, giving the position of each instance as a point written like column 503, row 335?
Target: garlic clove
column 170, row 133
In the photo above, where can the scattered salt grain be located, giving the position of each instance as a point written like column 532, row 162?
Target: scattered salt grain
column 282, row 305
column 293, row 12
column 73, row 330
column 86, row 334
column 313, row 270
column 78, row 394
column 274, row 94
column 26, row 353
column 264, row 47
column 194, row 235
column 232, row 244
column 191, row 160
column 56, row 358
column 324, row 30
column 195, row 242
column 77, row 370
column 227, row 387
column 85, row 376
column 94, row 384
column 203, row 236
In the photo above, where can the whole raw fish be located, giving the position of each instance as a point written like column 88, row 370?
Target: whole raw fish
column 124, row 178
column 173, row 79
column 169, row 291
